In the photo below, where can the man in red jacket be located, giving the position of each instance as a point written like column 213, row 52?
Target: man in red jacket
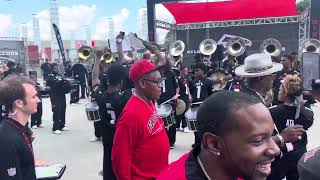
column 141, row 148
column 236, row 141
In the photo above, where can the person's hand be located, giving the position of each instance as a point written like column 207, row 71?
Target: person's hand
column 292, row 134
column 40, row 163
column 99, row 54
column 175, row 97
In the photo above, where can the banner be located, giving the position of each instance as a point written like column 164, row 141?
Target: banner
column 315, row 20
column 47, row 52
column 60, row 43
column 33, row 54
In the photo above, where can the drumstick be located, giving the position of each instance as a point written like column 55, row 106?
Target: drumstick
column 198, row 103
column 166, row 102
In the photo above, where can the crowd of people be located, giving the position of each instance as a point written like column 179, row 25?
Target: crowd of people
column 254, row 128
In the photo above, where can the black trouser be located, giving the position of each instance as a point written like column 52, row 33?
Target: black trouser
column 108, row 132
column 97, row 129
column 83, row 90
column 74, row 95
column 58, row 102
column 180, row 119
column 171, row 132
column 36, row 117
column 286, row 166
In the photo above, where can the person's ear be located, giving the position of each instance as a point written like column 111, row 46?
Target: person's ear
column 211, row 142
column 18, row 103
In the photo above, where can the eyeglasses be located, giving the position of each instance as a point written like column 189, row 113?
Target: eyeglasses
column 158, row 82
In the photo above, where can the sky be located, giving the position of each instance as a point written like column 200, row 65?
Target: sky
column 74, row 15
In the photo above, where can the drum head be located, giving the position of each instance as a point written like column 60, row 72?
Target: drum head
column 181, row 107
column 164, row 110
column 192, row 113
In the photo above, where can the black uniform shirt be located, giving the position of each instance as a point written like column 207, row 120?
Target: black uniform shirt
column 52, row 81
column 111, row 104
column 183, row 85
column 201, row 89
column 80, row 73
column 169, row 86
column 284, row 116
column 16, row 156
column 235, row 85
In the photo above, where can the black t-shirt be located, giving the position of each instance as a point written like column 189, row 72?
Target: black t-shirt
column 127, row 83
column 80, row 73
column 284, row 116
column 111, row 104
column 277, row 83
column 16, row 156
column 200, row 89
column 169, row 86
column 183, row 85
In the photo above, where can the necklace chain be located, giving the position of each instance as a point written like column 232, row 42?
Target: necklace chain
column 203, row 169
column 153, row 109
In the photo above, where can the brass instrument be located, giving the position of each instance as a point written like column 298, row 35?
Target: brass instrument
column 219, row 81
column 236, row 46
column 107, row 56
column 176, row 50
column 311, row 45
column 207, row 47
column 271, row 46
column 85, row 53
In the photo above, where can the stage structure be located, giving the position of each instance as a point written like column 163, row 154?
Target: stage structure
column 13, row 49
column 255, row 20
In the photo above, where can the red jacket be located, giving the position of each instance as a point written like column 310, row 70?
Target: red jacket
column 141, row 147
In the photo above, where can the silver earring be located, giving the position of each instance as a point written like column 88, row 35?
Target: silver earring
column 218, row 153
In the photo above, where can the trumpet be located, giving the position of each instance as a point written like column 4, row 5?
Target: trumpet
column 311, row 45
column 271, row 46
column 85, row 53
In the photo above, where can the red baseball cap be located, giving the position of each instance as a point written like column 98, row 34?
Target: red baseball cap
column 140, row 68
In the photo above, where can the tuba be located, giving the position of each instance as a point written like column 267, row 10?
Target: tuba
column 236, row 46
column 271, row 46
column 176, row 50
column 311, row 45
column 207, row 47
column 85, row 53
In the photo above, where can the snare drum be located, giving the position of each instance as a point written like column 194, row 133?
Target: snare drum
column 191, row 118
column 92, row 111
column 165, row 112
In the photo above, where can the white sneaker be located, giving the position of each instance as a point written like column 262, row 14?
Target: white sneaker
column 34, row 127
column 94, row 139
column 57, row 132
column 186, row 130
column 65, row 129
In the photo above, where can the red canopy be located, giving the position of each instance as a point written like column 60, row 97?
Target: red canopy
column 184, row 12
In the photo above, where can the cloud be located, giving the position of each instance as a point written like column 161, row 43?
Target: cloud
column 102, row 27
column 163, row 14
column 5, row 24
column 72, row 21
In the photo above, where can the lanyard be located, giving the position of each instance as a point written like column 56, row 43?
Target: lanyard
column 23, row 134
